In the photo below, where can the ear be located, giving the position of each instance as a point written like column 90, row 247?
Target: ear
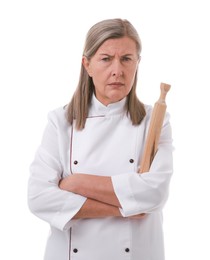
column 86, row 64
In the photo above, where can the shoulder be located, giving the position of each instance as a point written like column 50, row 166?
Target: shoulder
column 57, row 117
column 149, row 111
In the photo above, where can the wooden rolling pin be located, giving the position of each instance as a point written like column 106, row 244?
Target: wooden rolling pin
column 154, row 131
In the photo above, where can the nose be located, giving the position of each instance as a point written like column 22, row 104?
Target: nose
column 117, row 69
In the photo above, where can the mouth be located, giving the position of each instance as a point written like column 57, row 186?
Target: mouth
column 116, row 84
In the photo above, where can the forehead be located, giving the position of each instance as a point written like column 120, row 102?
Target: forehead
column 119, row 46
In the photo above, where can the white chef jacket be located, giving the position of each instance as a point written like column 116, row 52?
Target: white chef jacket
column 109, row 145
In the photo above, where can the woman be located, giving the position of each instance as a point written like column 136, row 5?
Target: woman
column 84, row 179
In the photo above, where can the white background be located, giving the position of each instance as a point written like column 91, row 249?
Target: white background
column 41, row 45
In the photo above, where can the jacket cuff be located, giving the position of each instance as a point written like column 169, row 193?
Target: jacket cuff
column 63, row 218
column 124, row 194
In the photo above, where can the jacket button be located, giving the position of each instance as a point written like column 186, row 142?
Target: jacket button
column 127, row 250
column 75, row 250
column 131, row 160
column 75, row 162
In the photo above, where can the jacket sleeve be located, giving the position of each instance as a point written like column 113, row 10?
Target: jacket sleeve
column 45, row 199
column 147, row 192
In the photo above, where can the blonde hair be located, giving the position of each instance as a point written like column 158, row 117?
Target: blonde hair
column 100, row 32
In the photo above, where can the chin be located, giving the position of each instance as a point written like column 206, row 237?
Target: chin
column 116, row 99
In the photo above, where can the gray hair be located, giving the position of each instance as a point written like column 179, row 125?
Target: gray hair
column 109, row 29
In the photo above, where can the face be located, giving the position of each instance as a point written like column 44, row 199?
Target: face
column 113, row 69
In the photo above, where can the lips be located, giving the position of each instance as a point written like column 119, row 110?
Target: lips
column 116, row 84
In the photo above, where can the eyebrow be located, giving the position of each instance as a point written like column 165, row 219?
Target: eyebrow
column 105, row 54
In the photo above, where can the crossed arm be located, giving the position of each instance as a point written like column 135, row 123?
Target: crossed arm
column 101, row 198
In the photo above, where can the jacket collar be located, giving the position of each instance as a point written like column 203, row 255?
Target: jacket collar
column 99, row 109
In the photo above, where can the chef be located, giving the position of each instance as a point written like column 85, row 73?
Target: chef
column 84, row 179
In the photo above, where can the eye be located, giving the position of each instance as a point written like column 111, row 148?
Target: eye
column 106, row 59
column 126, row 58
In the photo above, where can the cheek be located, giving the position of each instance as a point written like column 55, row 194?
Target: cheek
column 98, row 82
column 96, row 78
column 99, row 75
column 131, row 76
